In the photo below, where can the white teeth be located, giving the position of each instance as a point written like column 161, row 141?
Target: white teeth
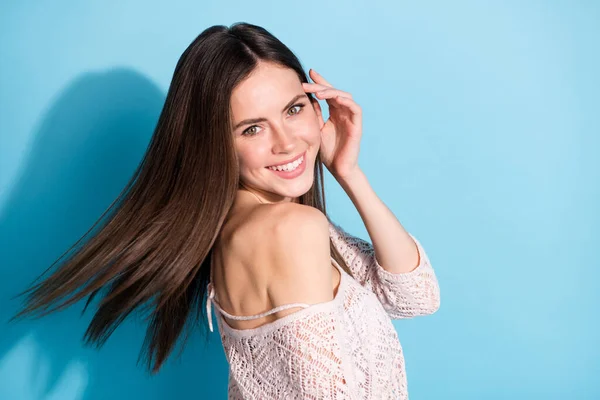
column 290, row 166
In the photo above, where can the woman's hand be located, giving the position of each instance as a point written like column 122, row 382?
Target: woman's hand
column 340, row 135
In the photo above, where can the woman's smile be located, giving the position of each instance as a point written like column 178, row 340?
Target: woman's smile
column 290, row 170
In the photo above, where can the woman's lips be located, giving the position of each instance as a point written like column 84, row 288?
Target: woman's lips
column 289, row 161
column 291, row 174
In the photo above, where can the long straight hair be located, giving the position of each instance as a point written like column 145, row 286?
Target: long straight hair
column 151, row 249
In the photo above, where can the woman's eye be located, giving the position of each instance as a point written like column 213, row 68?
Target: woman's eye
column 250, row 132
column 299, row 106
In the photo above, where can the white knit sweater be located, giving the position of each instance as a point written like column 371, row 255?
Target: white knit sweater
column 345, row 348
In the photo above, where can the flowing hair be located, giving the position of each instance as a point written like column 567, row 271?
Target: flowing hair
column 151, row 249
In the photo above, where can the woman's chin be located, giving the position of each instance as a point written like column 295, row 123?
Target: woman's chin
column 292, row 192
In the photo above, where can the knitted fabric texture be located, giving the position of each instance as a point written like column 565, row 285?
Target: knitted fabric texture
column 345, row 348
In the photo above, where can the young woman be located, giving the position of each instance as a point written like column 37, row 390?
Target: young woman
column 227, row 208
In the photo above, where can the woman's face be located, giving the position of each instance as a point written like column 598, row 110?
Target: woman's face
column 273, row 122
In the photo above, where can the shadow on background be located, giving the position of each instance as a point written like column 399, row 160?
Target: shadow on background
column 86, row 148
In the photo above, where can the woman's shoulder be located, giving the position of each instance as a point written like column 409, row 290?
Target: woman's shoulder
column 280, row 249
column 276, row 238
column 270, row 220
column 258, row 237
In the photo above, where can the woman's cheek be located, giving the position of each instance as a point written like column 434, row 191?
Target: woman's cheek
column 312, row 126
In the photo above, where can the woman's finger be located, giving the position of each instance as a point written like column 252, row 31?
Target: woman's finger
column 319, row 90
column 316, row 87
column 352, row 105
column 331, row 94
column 316, row 77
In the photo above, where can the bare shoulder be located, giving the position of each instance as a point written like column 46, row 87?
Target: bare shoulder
column 289, row 224
column 275, row 221
column 291, row 215
column 275, row 254
column 290, row 242
column 298, row 249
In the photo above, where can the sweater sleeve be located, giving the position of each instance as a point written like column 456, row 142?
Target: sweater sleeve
column 403, row 295
column 302, row 358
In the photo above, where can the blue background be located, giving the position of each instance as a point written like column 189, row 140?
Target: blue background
column 481, row 133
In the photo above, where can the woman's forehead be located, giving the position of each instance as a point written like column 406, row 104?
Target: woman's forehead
column 268, row 86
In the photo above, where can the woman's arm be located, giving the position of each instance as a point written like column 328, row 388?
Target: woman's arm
column 395, row 249
column 395, row 267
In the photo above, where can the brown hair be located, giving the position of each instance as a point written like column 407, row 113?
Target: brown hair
column 151, row 249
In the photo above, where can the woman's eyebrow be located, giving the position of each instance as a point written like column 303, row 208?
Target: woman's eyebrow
column 255, row 120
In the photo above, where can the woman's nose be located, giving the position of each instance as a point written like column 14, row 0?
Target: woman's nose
column 283, row 140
